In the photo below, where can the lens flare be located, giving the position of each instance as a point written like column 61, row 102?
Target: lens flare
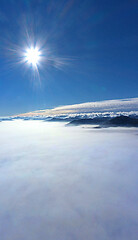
column 35, row 55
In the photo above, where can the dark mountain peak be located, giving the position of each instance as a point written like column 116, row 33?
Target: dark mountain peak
column 122, row 121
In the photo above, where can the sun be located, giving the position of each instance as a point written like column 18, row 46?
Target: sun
column 33, row 56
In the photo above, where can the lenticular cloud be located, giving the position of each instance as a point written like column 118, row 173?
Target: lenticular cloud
column 129, row 106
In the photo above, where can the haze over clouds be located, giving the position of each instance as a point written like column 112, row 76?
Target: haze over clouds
column 129, row 105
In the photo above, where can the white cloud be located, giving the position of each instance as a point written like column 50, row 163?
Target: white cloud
column 67, row 183
column 109, row 106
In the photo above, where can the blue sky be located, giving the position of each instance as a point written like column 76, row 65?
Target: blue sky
column 99, row 39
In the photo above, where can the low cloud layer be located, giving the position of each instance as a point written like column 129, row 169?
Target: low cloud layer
column 67, row 183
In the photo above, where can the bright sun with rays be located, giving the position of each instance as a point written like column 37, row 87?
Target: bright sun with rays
column 33, row 56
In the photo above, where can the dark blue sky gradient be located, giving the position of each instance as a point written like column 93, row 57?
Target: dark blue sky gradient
column 99, row 36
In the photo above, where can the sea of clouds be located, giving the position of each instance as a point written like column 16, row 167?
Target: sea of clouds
column 67, row 183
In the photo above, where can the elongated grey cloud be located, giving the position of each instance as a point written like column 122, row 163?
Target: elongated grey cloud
column 119, row 105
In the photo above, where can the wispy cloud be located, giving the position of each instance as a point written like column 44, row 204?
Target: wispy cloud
column 109, row 106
